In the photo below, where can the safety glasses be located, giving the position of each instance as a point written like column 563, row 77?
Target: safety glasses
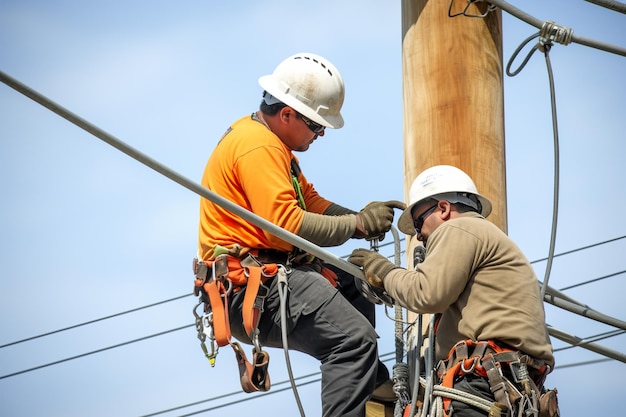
column 418, row 222
column 314, row 127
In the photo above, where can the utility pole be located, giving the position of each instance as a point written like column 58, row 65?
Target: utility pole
column 452, row 83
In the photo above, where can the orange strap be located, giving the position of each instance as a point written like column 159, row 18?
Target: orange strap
column 218, row 297
column 330, row 275
column 254, row 376
column 465, row 365
column 251, row 307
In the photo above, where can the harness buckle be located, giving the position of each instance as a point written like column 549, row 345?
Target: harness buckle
column 220, row 268
column 260, row 297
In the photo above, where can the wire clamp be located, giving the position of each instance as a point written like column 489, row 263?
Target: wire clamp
column 550, row 32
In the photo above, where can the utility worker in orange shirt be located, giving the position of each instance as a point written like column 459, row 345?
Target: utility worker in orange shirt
column 253, row 166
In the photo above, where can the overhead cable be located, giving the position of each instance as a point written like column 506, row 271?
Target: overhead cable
column 592, row 280
column 231, row 394
column 95, row 351
column 584, row 311
column 539, row 24
column 610, row 4
column 593, row 338
column 594, row 347
column 384, row 358
column 133, row 310
column 550, row 291
column 580, row 249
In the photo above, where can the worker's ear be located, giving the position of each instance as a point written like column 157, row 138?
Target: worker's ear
column 444, row 209
column 286, row 113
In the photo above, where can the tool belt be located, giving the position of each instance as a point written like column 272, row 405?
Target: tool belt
column 214, row 282
column 515, row 379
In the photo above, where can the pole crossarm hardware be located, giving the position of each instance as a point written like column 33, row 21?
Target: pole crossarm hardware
column 539, row 24
column 287, row 236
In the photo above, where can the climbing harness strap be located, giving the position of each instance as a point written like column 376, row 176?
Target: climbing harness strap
column 508, row 372
column 230, row 274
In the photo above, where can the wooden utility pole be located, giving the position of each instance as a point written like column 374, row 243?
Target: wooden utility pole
column 453, row 94
column 452, row 83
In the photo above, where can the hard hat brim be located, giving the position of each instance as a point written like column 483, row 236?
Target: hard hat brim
column 405, row 221
column 268, row 83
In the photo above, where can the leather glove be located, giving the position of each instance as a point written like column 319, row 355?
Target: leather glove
column 375, row 219
column 375, row 266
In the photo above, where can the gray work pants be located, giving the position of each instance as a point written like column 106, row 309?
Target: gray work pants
column 324, row 324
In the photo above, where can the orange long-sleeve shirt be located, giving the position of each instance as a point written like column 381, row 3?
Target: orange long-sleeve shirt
column 250, row 166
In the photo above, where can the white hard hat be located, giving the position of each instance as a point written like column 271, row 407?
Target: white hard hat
column 309, row 84
column 442, row 182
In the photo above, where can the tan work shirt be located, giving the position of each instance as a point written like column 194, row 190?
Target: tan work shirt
column 483, row 284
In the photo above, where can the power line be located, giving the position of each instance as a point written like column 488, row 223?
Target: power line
column 575, row 364
column 388, row 356
column 94, row 321
column 180, row 328
column 345, row 256
column 581, row 248
column 301, row 384
column 217, row 407
column 592, row 280
column 95, row 351
column 231, row 394
column 594, row 338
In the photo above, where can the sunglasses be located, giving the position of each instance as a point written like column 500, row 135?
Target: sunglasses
column 418, row 222
column 314, row 127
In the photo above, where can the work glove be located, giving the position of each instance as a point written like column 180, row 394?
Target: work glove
column 375, row 266
column 375, row 219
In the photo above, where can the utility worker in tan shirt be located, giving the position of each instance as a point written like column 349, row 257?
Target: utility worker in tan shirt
column 253, row 166
column 475, row 278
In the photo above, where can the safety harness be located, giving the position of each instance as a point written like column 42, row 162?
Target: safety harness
column 507, row 371
column 228, row 275
column 216, row 280
column 515, row 379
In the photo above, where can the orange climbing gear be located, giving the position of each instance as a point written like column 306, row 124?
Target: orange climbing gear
column 214, row 282
column 515, row 379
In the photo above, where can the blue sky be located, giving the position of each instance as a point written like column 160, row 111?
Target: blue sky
column 88, row 232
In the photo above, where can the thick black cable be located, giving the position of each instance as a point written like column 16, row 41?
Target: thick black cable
column 95, row 351
column 94, row 321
